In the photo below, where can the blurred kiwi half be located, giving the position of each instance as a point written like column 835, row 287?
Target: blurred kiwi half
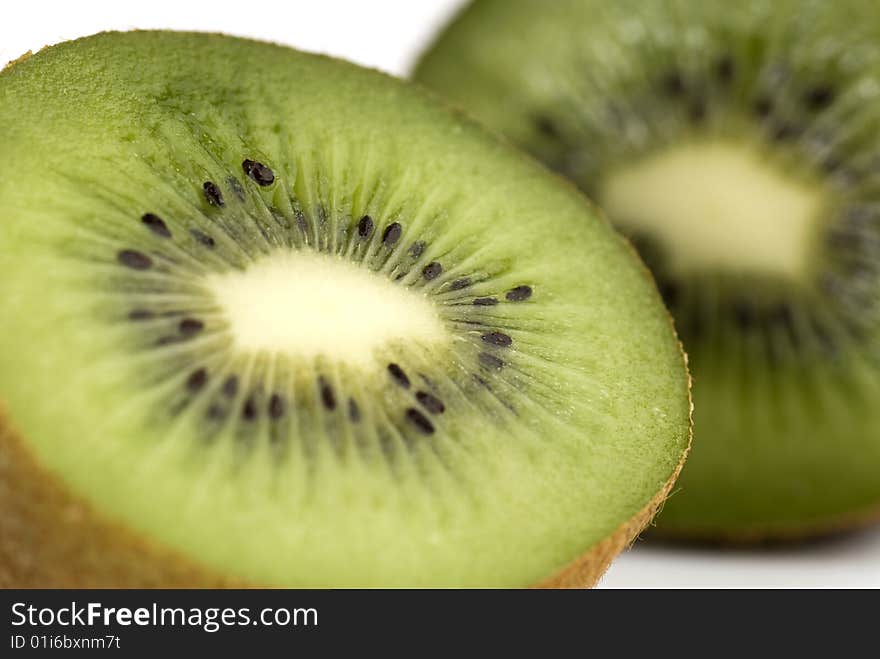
column 738, row 146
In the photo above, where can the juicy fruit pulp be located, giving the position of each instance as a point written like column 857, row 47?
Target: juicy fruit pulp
column 739, row 148
column 296, row 324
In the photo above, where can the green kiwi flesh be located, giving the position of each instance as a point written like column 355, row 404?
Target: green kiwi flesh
column 738, row 146
column 293, row 323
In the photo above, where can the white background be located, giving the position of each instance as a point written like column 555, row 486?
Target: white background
column 387, row 34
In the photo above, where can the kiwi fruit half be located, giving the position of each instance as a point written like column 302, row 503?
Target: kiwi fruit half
column 271, row 319
column 738, row 146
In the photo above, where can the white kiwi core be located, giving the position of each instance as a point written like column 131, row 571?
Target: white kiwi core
column 309, row 305
column 718, row 207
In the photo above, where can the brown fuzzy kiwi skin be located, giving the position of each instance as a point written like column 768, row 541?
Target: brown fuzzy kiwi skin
column 49, row 538
column 586, row 570
column 17, row 60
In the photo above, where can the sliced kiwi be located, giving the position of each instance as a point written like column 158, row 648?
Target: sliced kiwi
column 738, row 145
column 268, row 318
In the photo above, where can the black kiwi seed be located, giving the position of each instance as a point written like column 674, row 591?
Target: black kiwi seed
column 202, row 238
column 230, row 387
column 744, row 314
column 141, row 314
column 763, row 107
column 419, row 420
column 546, row 126
column 197, row 380
column 354, row 412
column 725, row 69
column 458, row 284
column 417, row 248
column 156, row 224
column 519, row 293
column 190, row 326
column 430, row 402
column 249, row 410
column 365, row 226
column 213, row 195
column 134, row 259
column 258, row 172
column 432, row 270
column 328, row 398
column 215, row 412
column 819, row 98
column 497, row 339
column 490, row 361
column 399, row 376
column 391, row 234
column 276, row 406
column 486, row 301
column 673, row 84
